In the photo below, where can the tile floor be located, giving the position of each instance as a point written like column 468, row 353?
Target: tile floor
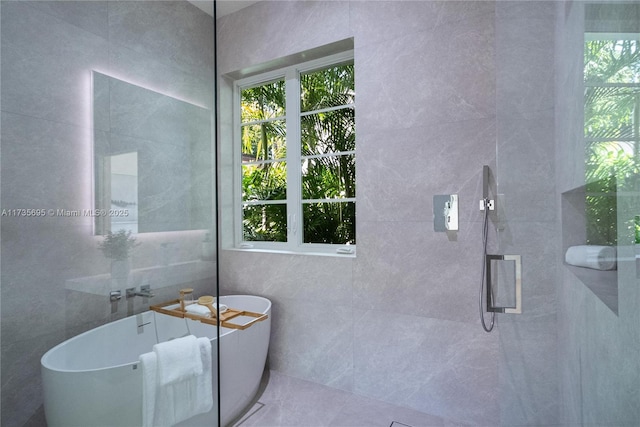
column 286, row 401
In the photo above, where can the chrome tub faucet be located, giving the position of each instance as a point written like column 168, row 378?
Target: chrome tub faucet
column 145, row 292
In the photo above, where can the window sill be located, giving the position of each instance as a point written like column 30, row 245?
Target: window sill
column 288, row 252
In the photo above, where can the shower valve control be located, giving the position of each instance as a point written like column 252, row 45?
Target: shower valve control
column 451, row 213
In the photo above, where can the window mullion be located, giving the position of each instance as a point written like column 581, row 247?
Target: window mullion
column 294, row 180
column 237, row 168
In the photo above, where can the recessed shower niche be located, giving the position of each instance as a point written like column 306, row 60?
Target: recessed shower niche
column 152, row 160
column 589, row 237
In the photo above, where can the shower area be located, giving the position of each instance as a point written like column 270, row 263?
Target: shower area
column 112, row 106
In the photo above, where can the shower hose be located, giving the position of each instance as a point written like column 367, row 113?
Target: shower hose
column 485, row 235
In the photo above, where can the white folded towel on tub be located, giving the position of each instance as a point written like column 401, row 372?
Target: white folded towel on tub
column 204, row 310
column 186, row 394
column 592, row 256
column 178, row 359
column 149, row 369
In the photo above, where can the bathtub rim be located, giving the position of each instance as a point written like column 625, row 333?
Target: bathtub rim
column 44, row 359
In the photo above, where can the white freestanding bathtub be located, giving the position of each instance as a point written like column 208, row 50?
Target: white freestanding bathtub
column 94, row 379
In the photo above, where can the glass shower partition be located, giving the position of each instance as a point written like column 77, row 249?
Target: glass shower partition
column 566, row 189
column 523, row 225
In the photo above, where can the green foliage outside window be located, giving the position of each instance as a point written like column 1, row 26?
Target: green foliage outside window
column 611, row 111
column 329, row 128
column 327, row 133
column 264, row 174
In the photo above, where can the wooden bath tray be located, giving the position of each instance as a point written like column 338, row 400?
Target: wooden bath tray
column 225, row 317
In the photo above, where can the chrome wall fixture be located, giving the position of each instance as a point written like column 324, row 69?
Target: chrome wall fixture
column 489, row 292
column 517, row 309
column 445, row 212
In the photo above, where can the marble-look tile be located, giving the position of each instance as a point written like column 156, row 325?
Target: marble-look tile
column 287, row 28
column 364, row 411
column 569, row 105
column 313, row 341
column 436, row 365
column 289, row 401
column 608, row 365
column 383, row 20
column 407, row 268
column 593, row 360
column 400, row 19
column 528, row 371
column 37, row 419
column 312, row 316
column 33, row 153
column 525, row 168
column 406, row 167
column 323, row 280
column 524, row 58
column 173, row 31
column 414, row 80
column 37, row 259
column 46, row 65
column 85, row 311
column 90, row 16
column 284, row 400
column 21, row 381
column 616, row 17
column 193, row 85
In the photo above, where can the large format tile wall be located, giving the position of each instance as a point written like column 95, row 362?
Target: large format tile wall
column 399, row 323
column 48, row 52
column 597, row 348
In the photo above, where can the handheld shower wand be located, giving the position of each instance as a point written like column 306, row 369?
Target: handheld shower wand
column 485, row 205
column 485, row 233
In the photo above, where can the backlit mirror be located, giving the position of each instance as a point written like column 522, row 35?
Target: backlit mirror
column 152, row 157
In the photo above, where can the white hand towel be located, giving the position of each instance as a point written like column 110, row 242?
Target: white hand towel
column 204, row 386
column 592, row 256
column 167, row 405
column 178, row 359
column 182, row 400
column 148, row 365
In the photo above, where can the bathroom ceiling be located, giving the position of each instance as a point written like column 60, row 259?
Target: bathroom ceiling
column 225, row 7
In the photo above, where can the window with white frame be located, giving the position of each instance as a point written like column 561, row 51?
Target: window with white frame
column 295, row 158
column 611, row 129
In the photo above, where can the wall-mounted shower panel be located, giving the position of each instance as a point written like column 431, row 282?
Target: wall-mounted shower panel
column 445, row 212
column 451, row 213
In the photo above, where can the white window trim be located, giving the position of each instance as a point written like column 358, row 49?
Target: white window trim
column 294, row 242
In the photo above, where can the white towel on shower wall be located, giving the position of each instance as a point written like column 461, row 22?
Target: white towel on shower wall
column 592, row 256
column 169, row 404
